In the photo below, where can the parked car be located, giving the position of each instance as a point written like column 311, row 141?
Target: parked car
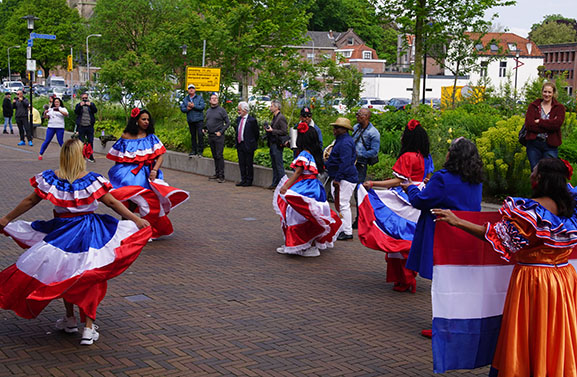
column 13, row 86
column 374, row 103
column 263, row 101
column 399, row 103
column 435, row 103
column 59, row 92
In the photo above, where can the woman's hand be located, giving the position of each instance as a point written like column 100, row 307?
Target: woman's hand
column 153, row 174
column 445, row 215
column 283, row 189
column 405, row 185
column 368, row 185
column 3, row 222
column 141, row 223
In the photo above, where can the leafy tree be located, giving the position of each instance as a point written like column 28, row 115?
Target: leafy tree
column 55, row 17
column 552, row 32
column 246, row 36
column 438, row 23
column 341, row 81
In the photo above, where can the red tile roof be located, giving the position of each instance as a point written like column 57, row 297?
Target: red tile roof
column 503, row 40
column 357, row 52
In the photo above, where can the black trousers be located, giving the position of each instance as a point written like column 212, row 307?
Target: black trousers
column 86, row 134
column 196, row 137
column 217, row 147
column 245, row 162
column 24, row 128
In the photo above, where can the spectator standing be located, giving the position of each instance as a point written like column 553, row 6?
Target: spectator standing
column 306, row 117
column 543, row 121
column 276, row 136
column 8, row 112
column 247, row 134
column 216, row 122
column 367, row 144
column 36, row 120
column 55, row 115
column 193, row 107
column 85, row 119
column 341, row 168
column 21, row 105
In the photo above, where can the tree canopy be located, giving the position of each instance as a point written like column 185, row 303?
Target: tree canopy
column 554, row 29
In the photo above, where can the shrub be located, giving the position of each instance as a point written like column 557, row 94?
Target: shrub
column 505, row 159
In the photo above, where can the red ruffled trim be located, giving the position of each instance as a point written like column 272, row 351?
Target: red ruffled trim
column 304, row 165
column 103, row 190
column 496, row 243
column 137, row 159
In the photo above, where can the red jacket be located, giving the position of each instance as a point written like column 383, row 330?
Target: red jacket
column 551, row 126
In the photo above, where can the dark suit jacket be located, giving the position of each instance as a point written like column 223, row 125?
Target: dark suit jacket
column 279, row 130
column 250, row 134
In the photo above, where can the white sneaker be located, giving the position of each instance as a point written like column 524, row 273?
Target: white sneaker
column 67, row 324
column 89, row 335
column 281, row 250
column 312, row 251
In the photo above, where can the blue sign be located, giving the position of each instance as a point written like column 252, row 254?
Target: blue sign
column 30, row 42
column 42, row 36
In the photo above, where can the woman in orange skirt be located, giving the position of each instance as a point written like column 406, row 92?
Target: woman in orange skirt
column 538, row 335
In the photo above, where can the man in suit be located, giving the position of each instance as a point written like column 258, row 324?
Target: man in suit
column 276, row 135
column 247, row 134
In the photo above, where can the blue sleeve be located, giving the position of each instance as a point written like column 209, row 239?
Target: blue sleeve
column 320, row 136
column 432, row 196
column 375, row 144
column 200, row 106
column 183, row 106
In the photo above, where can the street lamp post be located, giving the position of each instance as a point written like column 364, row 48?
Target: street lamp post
column 30, row 26
column 88, row 54
column 9, row 71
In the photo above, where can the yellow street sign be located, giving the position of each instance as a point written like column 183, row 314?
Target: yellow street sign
column 204, row 79
column 69, row 60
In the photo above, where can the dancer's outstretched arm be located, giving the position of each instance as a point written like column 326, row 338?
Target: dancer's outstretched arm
column 24, row 206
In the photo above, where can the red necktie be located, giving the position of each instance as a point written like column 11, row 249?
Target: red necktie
column 241, row 129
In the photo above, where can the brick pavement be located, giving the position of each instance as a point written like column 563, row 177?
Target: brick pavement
column 215, row 299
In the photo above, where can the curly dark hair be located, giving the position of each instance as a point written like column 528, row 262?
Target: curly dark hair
column 54, row 100
column 310, row 141
column 132, row 126
column 464, row 160
column 551, row 174
column 416, row 140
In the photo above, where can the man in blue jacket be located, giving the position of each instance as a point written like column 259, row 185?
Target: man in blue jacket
column 341, row 168
column 193, row 107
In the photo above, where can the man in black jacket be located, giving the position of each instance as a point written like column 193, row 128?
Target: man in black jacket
column 8, row 112
column 247, row 134
column 85, row 111
column 276, row 135
column 22, row 106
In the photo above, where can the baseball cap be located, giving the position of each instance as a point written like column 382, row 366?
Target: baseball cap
column 191, row 86
column 306, row 112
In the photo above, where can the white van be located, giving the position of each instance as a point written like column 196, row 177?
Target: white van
column 13, row 86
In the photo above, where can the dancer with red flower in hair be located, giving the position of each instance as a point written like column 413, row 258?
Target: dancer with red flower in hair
column 136, row 176
column 387, row 220
column 307, row 221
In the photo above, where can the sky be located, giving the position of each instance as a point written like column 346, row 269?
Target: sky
column 519, row 18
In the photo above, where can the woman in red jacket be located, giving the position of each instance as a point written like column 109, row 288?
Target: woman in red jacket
column 543, row 121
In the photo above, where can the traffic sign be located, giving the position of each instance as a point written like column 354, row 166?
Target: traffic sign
column 30, row 42
column 42, row 36
column 30, row 65
column 204, row 79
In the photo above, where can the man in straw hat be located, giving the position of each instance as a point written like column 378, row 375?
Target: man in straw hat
column 341, row 168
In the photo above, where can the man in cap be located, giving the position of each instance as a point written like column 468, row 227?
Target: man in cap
column 193, row 107
column 341, row 168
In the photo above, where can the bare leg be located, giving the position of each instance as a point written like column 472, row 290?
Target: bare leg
column 89, row 322
column 69, row 308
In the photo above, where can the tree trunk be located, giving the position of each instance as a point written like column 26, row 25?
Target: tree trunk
column 244, row 86
column 455, row 85
column 418, row 65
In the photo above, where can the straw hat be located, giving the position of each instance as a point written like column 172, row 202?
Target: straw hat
column 344, row 123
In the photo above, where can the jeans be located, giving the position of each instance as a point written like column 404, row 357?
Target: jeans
column 537, row 150
column 217, row 147
column 86, row 135
column 24, row 128
column 277, row 163
column 49, row 135
column 8, row 122
column 196, row 137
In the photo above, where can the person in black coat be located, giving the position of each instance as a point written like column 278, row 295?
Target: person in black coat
column 247, row 135
column 8, row 112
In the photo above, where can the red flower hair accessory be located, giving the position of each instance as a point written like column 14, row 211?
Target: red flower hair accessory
column 413, row 123
column 569, row 168
column 303, row 127
column 135, row 112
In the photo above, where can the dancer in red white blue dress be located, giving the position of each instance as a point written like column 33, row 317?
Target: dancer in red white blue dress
column 307, row 220
column 136, row 176
column 73, row 255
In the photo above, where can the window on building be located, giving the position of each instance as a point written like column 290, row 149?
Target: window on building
column 345, row 53
column 351, row 41
column 367, row 54
column 311, row 56
column 479, row 46
column 512, row 47
column 502, row 69
column 494, row 47
column 483, row 71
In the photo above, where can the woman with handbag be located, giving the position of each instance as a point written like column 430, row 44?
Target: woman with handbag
column 390, row 225
column 543, row 121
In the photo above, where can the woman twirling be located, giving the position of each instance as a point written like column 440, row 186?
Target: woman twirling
column 136, row 176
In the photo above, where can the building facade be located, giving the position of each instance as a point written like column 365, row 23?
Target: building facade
column 561, row 59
